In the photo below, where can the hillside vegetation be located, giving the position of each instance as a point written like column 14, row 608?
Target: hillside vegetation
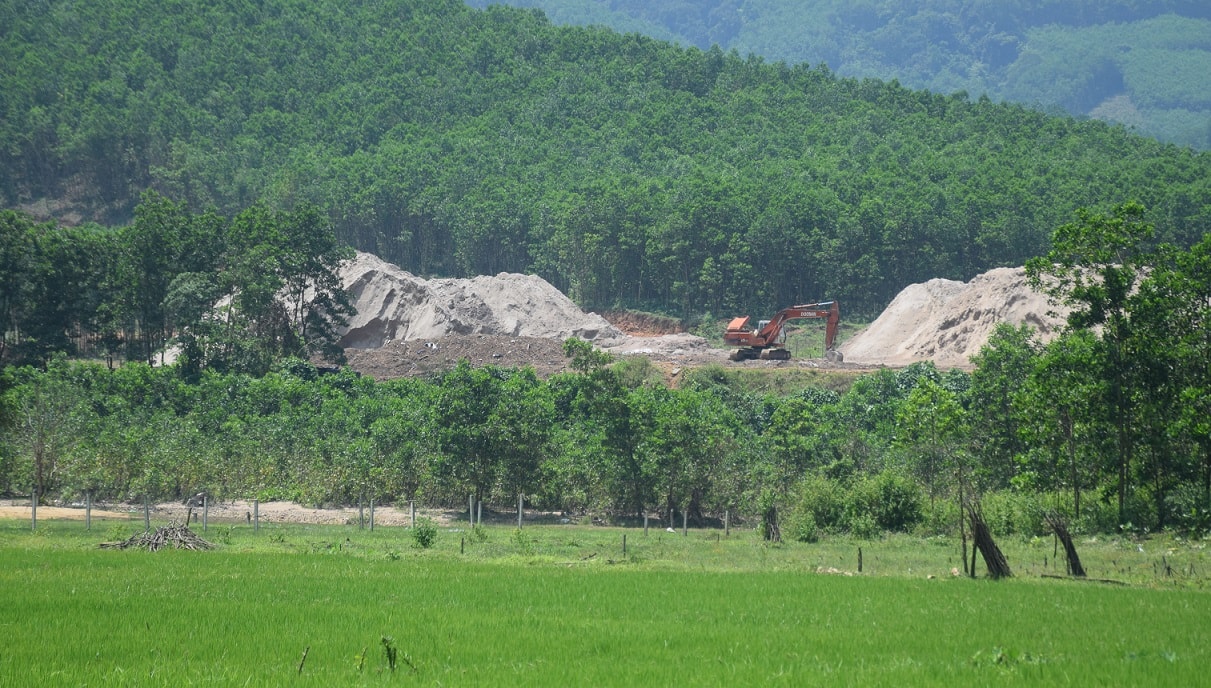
column 1142, row 63
column 625, row 171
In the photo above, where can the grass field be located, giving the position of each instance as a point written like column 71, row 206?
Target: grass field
column 561, row 605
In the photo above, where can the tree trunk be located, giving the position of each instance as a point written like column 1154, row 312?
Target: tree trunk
column 1072, row 471
column 769, row 525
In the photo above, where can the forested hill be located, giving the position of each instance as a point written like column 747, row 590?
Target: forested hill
column 626, row 171
column 1144, row 63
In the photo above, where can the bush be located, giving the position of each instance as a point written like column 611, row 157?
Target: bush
column 1015, row 513
column 802, row 526
column 1188, row 509
column 891, row 499
column 820, row 502
column 941, row 518
column 523, row 542
column 863, row 526
column 425, row 533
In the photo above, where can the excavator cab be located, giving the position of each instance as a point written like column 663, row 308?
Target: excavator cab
column 738, row 325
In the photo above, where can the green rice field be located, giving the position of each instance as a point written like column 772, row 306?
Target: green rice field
column 563, row 606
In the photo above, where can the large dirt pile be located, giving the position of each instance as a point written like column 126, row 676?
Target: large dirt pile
column 947, row 322
column 408, row 326
column 395, row 306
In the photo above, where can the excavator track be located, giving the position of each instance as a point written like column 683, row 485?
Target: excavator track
column 744, row 355
column 776, row 355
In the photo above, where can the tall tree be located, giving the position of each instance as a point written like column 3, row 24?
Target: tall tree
column 1058, row 411
column 1093, row 267
column 46, row 411
column 1001, row 368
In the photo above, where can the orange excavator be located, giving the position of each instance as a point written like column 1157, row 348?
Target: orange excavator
column 768, row 339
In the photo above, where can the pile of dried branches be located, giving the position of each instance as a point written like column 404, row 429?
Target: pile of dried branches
column 994, row 560
column 1059, row 525
column 174, row 535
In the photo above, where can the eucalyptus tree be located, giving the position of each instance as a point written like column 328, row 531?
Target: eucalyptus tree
column 1171, row 316
column 690, row 448
column 1093, row 267
column 1059, row 414
column 15, row 249
column 164, row 241
column 932, row 428
column 1001, row 369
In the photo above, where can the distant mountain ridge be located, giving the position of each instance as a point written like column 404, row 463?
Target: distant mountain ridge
column 1145, row 64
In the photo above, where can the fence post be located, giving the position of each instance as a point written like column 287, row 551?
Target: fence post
column 520, row 505
column 471, row 510
column 256, row 515
column 727, row 526
column 146, row 515
column 372, row 515
column 645, row 524
column 205, row 510
column 88, row 510
column 479, row 513
column 412, row 510
column 33, row 509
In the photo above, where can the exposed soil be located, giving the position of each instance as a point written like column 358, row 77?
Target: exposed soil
column 243, row 511
column 425, row 357
column 394, row 305
column 60, row 512
column 643, row 324
column 407, row 326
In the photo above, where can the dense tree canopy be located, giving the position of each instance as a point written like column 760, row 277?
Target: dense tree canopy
column 625, row 171
column 228, row 294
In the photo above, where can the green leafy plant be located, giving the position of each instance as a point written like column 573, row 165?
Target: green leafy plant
column 117, row 532
column 803, row 527
column 424, row 534
column 524, row 544
column 864, row 526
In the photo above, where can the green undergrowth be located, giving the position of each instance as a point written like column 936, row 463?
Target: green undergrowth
column 554, row 605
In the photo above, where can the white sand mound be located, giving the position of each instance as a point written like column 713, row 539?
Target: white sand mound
column 394, row 304
column 947, row 322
